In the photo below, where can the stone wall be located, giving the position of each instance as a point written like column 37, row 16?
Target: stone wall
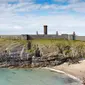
column 48, row 37
column 70, row 37
column 11, row 36
column 27, row 37
column 82, row 38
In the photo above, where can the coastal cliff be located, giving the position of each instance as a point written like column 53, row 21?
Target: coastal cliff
column 40, row 53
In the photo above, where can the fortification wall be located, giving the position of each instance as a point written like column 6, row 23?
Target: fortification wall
column 47, row 37
column 70, row 37
column 27, row 37
column 82, row 38
column 11, row 36
column 65, row 36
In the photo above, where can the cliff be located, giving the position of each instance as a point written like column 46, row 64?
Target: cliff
column 40, row 52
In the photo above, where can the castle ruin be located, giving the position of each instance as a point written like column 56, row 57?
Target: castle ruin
column 45, row 35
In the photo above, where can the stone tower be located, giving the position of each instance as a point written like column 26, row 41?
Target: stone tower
column 57, row 33
column 74, row 35
column 36, row 32
column 45, row 29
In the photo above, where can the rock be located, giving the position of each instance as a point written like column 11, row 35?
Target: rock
column 29, row 45
column 37, row 53
column 52, row 63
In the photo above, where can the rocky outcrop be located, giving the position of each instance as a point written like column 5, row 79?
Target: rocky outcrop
column 41, row 55
column 28, row 60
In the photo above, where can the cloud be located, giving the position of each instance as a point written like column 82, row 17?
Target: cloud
column 30, row 24
column 11, row 22
column 68, row 1
column 74, row 1
column 29, row 6
column 17, row 27
column 11, row 1
column 6, row 1
column 79, row 7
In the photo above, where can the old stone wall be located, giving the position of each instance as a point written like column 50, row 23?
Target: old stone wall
column 48, row 37
column 70, row 37
column 27, row 37
column 82, row 38
column 11, row 36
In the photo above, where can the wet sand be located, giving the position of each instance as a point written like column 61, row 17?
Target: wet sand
column 77, row 70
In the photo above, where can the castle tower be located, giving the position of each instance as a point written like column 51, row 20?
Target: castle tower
column 45, row 29
column 74, row 35
column 57, row 33
column 36, row 32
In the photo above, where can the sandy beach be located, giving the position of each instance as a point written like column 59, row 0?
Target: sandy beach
column 77, row 70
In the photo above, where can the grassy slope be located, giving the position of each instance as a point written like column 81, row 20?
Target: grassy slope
column 55, row 41
column 76, row 48
column 9, row 44
column 64, row 47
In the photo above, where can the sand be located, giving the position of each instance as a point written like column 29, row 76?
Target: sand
column 77, row 70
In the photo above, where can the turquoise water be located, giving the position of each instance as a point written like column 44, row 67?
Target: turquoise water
column 33, row 77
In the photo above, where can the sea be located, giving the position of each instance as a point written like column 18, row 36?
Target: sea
column 34, row 77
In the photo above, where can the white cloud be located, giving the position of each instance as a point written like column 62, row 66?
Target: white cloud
column 30, row 24
column 21, row 1
column 6, row 1
column 60, row 0
column 74, row 1
column 30, row 6
column 68, row 1
column 11, row 23
column 17, row 27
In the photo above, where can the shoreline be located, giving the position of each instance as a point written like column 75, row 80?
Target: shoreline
column 62, row 72
column 74, row 71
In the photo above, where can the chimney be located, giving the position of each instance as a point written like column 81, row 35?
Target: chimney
column 45, row 29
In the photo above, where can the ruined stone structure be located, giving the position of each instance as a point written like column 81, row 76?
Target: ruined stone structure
column 45, row 29
column 45, row 35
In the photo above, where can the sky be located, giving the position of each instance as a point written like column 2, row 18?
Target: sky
column 29, row 16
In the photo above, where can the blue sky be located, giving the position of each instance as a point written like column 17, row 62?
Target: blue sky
column 29, row 16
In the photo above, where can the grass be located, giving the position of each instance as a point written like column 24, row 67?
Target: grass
column 10, row 43
column 67, row 48
column 55, row 42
